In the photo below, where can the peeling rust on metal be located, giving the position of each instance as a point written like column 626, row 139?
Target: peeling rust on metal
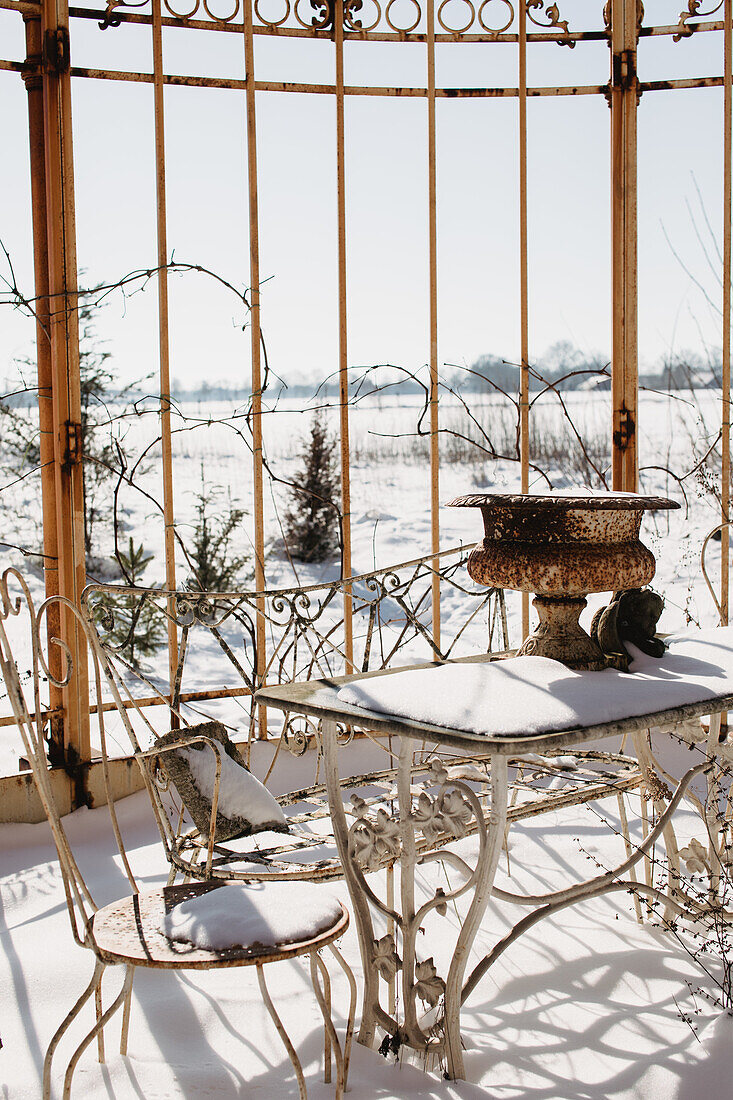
column 57, row 51
column 562, row 548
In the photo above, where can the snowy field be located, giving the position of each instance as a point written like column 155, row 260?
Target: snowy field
column 587, row 1006
column 390, row 493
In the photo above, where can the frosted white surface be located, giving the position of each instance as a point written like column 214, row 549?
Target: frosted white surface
column 240, row 793
column 587, row 1005
column 240, row 915
column 526, row 695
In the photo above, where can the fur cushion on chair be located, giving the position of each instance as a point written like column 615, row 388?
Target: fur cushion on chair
column 245, row 806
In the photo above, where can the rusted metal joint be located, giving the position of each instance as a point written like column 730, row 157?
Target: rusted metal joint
column 77, row 772
column 624, row 70
column 54, row 736
column 73, row 453
column 625, row 430
column 56, row 51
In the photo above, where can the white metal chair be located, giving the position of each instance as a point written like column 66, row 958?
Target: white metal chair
column 131, row 932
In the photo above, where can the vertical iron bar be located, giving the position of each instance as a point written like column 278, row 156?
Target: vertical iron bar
column 256, row 338
column 624, row 102
column 433, row 246
column 36, row 145
column 523, row 281
column 66, row 388
column 343, row 350
column 163, row 335
column 725, row 470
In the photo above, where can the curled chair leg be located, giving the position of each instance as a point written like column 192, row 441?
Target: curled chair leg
column 292, row 1055
column 99, row 1024
column 352, row 1007
column 66, row 1023
column 319, row 974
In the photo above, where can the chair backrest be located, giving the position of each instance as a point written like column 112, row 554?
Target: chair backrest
column 22, row 632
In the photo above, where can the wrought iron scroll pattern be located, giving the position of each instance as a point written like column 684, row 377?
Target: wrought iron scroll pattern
column 305, row 627
column 111, row 16
column 554, row 21
column 361, row 17
column 443, row 809
column 694, row 11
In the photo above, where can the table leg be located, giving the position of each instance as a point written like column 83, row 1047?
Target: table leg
column 485, row 873
column 651, row 782
column 445, row 807
column 362, row 915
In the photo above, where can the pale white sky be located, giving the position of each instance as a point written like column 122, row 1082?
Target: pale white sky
column 569, row 220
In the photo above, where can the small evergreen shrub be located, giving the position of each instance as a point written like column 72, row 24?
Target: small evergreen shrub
column 214, row 566
column 311, row 524
column 134, row 624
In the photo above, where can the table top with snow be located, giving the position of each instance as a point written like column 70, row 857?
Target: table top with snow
column 511, row 705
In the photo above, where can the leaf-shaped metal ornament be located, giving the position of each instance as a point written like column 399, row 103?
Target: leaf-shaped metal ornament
column 385, row 957
column 428, row 985
column 695, row 857
column 428, row 817
column 456, row 813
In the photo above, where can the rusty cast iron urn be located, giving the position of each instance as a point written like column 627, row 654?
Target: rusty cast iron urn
column 562, row 547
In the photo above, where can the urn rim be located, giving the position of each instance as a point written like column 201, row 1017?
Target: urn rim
column 600, row 501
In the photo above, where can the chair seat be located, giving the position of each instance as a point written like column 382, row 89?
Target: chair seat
column 128, row 931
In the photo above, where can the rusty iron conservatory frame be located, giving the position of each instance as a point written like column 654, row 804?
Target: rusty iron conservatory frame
column 48, row 73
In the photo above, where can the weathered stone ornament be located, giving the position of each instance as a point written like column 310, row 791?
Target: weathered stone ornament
column 562, row 547
column 631, row 616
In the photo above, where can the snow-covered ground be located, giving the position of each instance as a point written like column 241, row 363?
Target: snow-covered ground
column 587, row 1006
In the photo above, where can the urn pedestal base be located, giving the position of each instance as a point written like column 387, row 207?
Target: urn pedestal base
column 560, row 636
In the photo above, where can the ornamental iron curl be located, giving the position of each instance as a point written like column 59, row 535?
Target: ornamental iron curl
column 305, row 627
column 684, row 28
column 111, row 16
column 552, row 12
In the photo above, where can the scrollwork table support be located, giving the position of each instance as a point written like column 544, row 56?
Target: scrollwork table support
column 418, row 979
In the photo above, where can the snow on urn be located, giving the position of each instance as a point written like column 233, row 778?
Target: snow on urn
column 561, row 547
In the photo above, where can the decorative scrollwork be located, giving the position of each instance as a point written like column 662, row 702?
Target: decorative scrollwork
column 297, row 733
column 684, row 29
column 449, row 813
column 471, row 15
column 222, row 18
column 354, row 16
column 505, row 26
column 111, row 18
column 552, row 12
column 411, row 26
column 272, row 22
column 373, row 841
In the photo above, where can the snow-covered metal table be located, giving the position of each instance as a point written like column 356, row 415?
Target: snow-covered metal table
column 504, row 708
